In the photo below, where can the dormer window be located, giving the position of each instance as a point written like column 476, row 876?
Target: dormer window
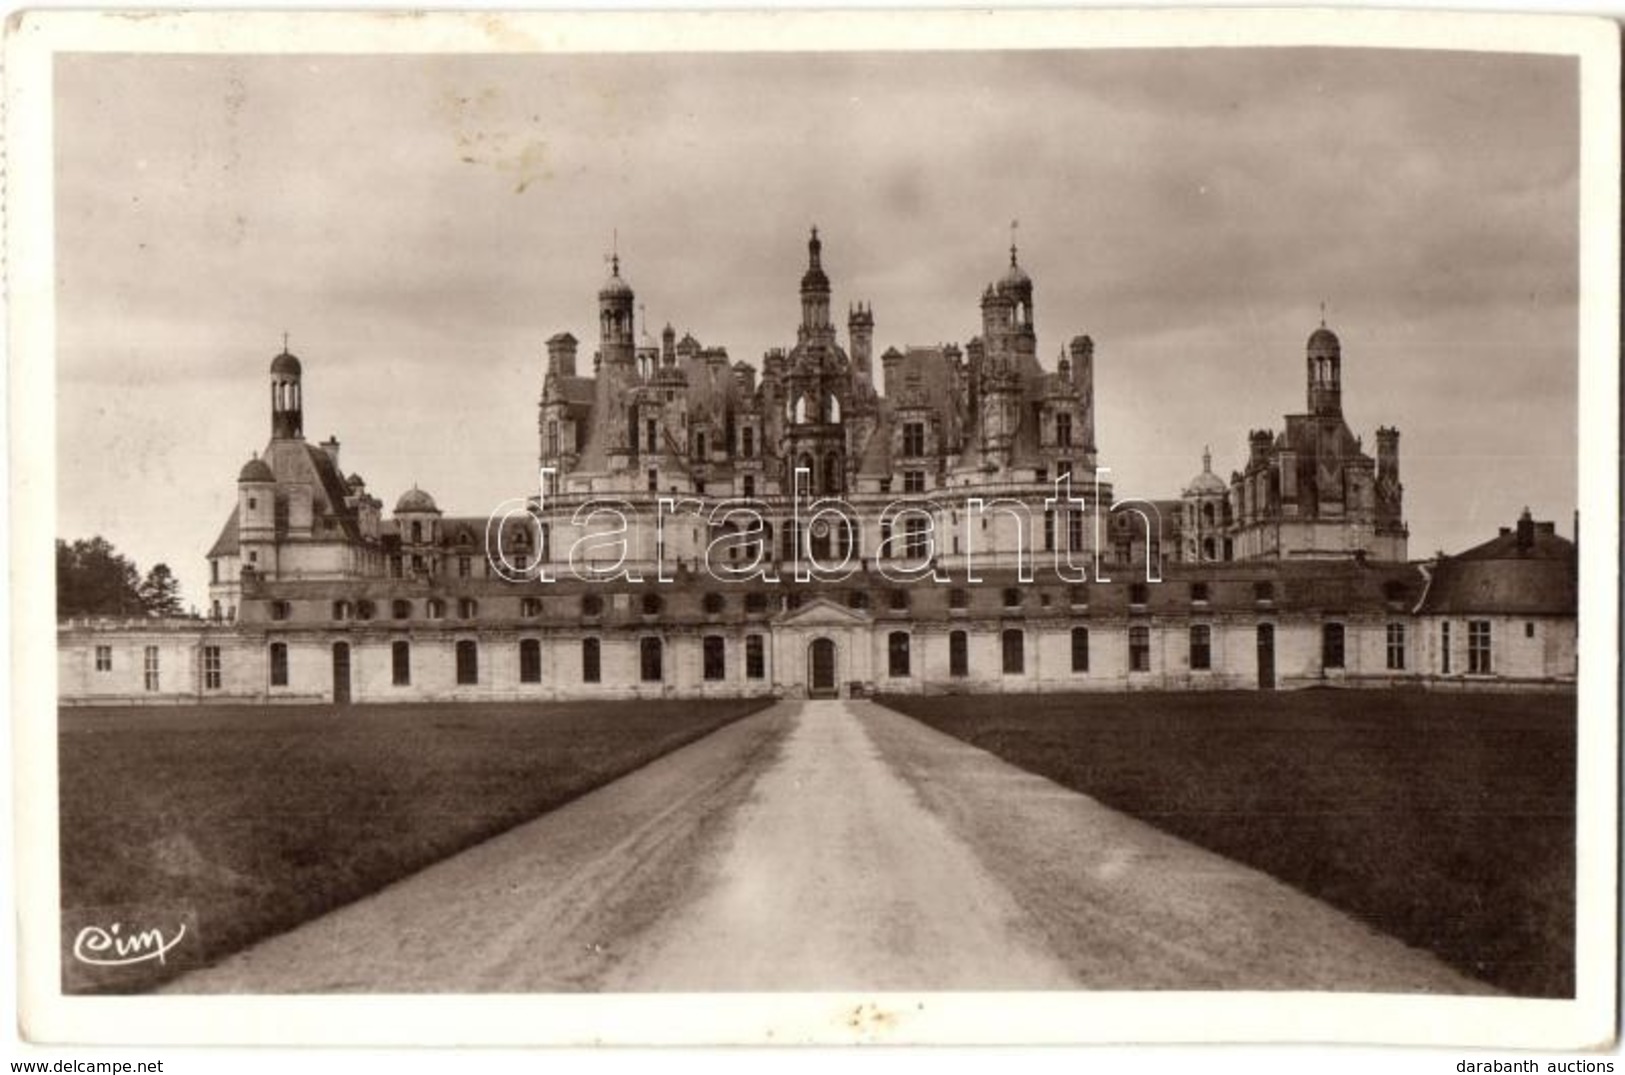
column 1063, row 430
column 913, row 438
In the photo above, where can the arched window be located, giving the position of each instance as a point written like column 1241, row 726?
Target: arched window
column 832, row 408
column 1207, row 513
column 400, row 660
column 417, row 532
column 897, row 655
column 958, row 654
column 435, row 608
column 1014, row 644
column 530, row 660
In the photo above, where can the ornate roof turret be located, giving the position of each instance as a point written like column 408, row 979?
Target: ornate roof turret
column 255, row 470
column 415, row 500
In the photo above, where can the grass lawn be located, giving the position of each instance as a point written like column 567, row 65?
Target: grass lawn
column 1446, row 820
column 258, row 818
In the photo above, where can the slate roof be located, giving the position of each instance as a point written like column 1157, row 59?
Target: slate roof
column 1507, row 576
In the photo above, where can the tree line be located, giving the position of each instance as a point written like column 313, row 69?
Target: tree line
column 94, row 579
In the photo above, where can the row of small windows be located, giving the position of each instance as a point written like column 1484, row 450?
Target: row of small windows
column 466, row 654
column 651, row 604
column 151, row 672
column 714, row 660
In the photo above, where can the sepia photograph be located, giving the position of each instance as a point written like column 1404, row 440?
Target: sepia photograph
column 895, row 519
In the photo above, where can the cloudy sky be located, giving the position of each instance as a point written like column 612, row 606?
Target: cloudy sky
column 421, row 225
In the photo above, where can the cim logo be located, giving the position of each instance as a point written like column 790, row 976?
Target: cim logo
column 111, row 947
column 125, row 949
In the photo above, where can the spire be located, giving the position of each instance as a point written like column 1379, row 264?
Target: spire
column 1015, row 225
column 1207, row 459
column 1322, row 313
column 284, row 343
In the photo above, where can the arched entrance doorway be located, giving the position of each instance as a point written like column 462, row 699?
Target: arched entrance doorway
column 821, row 669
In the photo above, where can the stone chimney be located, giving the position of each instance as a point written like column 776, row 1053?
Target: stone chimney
column 860, row 324
column 1526, row 531
column 561, row 355
column 889, row 364
column 1258, row 447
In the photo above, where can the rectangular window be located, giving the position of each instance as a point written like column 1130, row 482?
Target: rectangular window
column 654, row 481
column 400, row 659
column 913, row 481
column 149, row 668
column 530, row 660
column 1063, row 430
column 1080, row 649
column 958, row 654
column 465, row 566
column 913, row 438
column 1478, row 648
column 699, row 445
column 279, row 664
column 651, row 435
column 897, row 655
column 1137, row 593
column 1074, row 530
column 1199, row 592
column 1049, row 530
column 748, row 447
column 552, row 438
column 1139, row 649
column 1201, row 647
column 214, row 570
column 651, row 660
column 211, row 668
column 104, row 658
column 1444, row 648
column 750, row 486
column 914, row 543
column 1396, row 647
column 468, row 662
column 714, row 658
column 1014, row 644
column 589, row 660
column 755, row 658
column 1331, row 645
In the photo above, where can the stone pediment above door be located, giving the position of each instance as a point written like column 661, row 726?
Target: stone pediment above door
column 822, row 612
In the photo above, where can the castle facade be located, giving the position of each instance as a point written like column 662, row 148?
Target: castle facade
column 798, row 528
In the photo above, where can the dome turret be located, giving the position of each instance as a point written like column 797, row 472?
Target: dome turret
column 615, row 287
column 255, row 470
column 415, row 500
